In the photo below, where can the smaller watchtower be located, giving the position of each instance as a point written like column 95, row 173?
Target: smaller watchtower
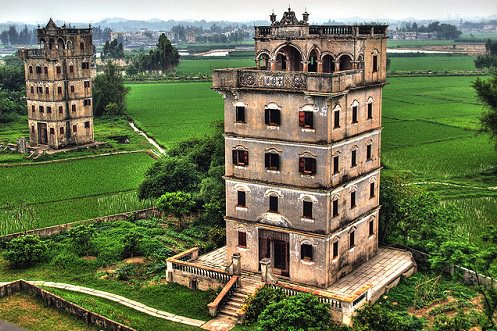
column 58, row 86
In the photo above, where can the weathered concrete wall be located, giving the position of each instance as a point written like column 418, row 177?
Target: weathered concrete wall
column 195, row 282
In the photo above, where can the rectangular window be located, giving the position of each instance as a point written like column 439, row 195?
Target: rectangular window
column 307, row 165
column 30, row 69
column 336, row 118
column 72, row 88
column 45, row 70
column 61, row 130
column 336, row 164
column 39, row 90
column 371, row 227
column 32, row 128
column 59, row 90
column 354, row 114
column 272, row 161
column 47, row 90
column 61, row 109
column 38, row 70
column 352, row 239
column 354, row 159
column 240, row 114
column 71, row 69
column 370, row 111
column 32, row 90
column 242, row 239
column 241, row 199
column 87, row 124
column 307, row 209
column 375, row 63
column 49, row 110
column 58, row 69
column 273, row 204
column 306, row 252
column 85, row 65
column 73, row 108
column 74, row 128
column 52, row 131
column 306, row 119
column 335, row 208
column 240, row 157
column 82, row 46
column 335, row 249
column 86, row 83
column 368, row 152
column 41, row 109
column 371, row 190
column 352, row 200
column 33, row 108
column 272, row 117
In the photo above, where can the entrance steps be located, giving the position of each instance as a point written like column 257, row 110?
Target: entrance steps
column 250, row 283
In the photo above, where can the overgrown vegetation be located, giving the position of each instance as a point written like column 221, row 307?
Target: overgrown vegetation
column 109, row 92
column 12, row 90
column 164, row 58
column 486, row 91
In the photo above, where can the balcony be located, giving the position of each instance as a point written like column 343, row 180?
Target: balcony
column 321, row 31
column 320, row 83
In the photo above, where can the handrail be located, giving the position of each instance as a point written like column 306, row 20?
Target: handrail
column 223, row 296
column 181, row 255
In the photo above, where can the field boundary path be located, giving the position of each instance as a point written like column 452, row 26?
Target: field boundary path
column 121, row 300
column 150, row 140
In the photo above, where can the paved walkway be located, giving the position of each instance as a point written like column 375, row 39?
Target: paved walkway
column 123, row 301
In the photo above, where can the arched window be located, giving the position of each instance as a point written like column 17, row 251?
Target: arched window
column 312, row 65
column 292, row 55
column 60, row 44
column 263, row 61
column 375, row 63
column 51, row 44
column 328, row 64
column 345, row 62
column 69, row 44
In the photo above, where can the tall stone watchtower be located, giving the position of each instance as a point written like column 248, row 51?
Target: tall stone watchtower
column 302, row 136
column 58, row 86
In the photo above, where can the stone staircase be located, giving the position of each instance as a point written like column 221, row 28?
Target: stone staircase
column 249, row 285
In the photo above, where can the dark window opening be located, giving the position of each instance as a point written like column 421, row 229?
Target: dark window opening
column 87, row 125
column 354, row 159
column 52, row 131
column 87, row 102
column 86, row 83
column 61, row 130
column 335, row 208
column 241, row 199
column 307, row 165
column 32, row 128
column 49, row 110
column 72, row 88
column 352, row 239
column 369, row 152
column 371, row 228
column 45, row 70
column 58, row 69
column 71, row 69
column 82, row 46
column 336, row 164
column 73, row 108
column 272, row 161
column 74, row 128
column 85, row 65
column 33, row 108
column 30, row 69
column 370, row 111
column 240, row 157
column 354, row 114
column 272, row 116
column 240, row 114
column 41, row 109
column 38, row 70
column 352, row 200
column 371, row 190
column 307, row 209
column 273, row 204
column 242, row 239
column 306, row 252
column 32, row 90
column 61, row 109
column 335, row 249
column 336, row 118
column 47, row 90
column 306, row 119
column 39, row 90
column 375, row 63
column 59, row 90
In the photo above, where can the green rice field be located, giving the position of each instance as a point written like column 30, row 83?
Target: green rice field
column 205, row 66
column 72, row 190
column 171, row 112
column 434, row 63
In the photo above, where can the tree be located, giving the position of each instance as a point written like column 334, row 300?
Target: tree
column 25, row 251
column 113, row 50
column 299, row 312
column 12, row 91
column 177, row 204
column 109, row 88
column 131, row 242
column 486, row 93
column 82, row 236
column 488, row 60
column 164, row 57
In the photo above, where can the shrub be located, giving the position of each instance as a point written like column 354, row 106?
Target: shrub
column 81, row 236
column 379, row 318
column 131, row 242
column 256, row 303
column 25, row 251
column 126, row 272
column 299, row 312
column 459, row 322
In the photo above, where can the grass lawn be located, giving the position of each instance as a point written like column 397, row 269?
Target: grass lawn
column 120, row 313
column 27, row 312
column 171, row 112
column 73, row 190
column 435, row 63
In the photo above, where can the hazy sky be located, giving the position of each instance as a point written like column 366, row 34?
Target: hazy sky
column 34, row 11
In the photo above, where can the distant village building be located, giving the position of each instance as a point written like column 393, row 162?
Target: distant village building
column 191, row 37
column 58, row 86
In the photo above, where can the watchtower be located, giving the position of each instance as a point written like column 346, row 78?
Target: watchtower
column 302, row 136
column 58, row 86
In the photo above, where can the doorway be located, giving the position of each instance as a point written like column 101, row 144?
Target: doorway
column 276, row 247
column 42, row 133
